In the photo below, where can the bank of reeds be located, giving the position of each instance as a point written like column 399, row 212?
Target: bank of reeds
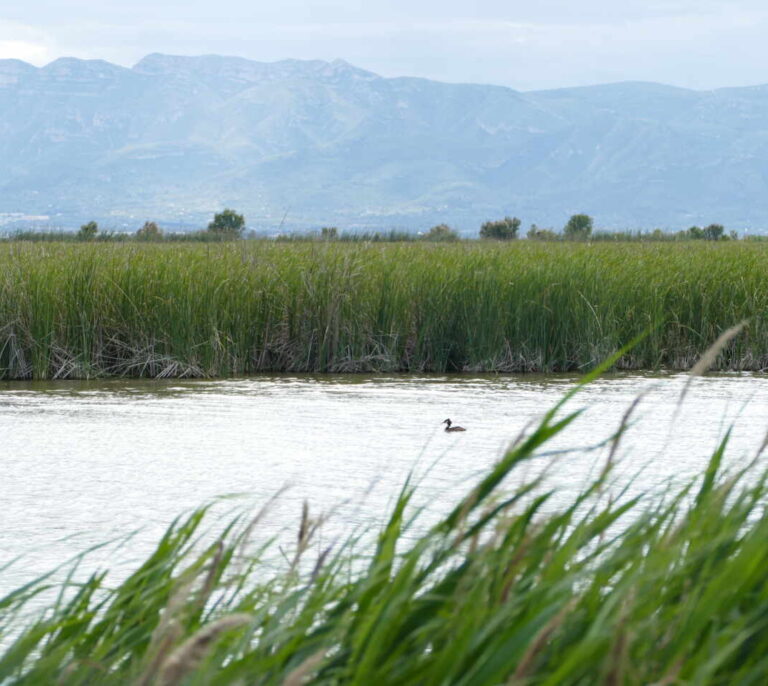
column 505, row 589
column 83, row 310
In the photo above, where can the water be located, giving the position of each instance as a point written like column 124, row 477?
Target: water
column 85, row 462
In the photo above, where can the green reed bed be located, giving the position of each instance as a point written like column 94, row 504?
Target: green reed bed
column 82, row 310
column 505, row 589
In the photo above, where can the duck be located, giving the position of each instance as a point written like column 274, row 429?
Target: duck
column 448, row 427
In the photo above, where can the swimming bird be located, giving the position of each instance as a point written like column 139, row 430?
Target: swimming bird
column 448, row 427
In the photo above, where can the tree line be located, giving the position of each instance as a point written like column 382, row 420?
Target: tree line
column 226, row 224
column 229, row 224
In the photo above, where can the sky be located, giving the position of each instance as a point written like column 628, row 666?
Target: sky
column 528, row 45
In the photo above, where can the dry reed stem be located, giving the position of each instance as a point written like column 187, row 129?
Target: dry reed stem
column 621, row 431
column 299, row 675
column 511, row 572
column 710, row 356
column 320, row 562
column 762, row 447
column 672, row 675
column 245, row 536
column 523, row 667
column 619, row 653
column 160, row 645
column 168, row 631
column 172, row 610
column 307, row 529
column 190, row 654
column 210, row 578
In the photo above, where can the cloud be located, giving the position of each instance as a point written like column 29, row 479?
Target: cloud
column 697, row 43
column 23, row 42
column 22, row 50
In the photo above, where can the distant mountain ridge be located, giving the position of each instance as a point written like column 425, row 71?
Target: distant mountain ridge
column 315, row 143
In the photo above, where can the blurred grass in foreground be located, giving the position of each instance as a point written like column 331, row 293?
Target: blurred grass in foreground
column 160, row 310
column 500, row 591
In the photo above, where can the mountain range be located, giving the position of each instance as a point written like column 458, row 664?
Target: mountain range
column 303, row 144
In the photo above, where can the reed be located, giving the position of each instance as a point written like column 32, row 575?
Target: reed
column 504, row 588
column 84, row 310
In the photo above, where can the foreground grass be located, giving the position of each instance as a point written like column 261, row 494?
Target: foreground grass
column 83, row 310
column 502, row 590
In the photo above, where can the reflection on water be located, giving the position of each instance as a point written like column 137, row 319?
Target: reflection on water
column 83, row 462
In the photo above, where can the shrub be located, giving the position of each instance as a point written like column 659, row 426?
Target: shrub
column 88, row 231
column 392, row 236
column 441, row 233
column 578, row 226
column 329, row 233
column 714, row 232
column 537, row 234
column 150, row 231
column 227, row 223
column 501, row 230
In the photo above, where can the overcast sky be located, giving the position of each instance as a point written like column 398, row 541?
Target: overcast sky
column 692, row 43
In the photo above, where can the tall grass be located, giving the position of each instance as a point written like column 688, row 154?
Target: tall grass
column 502, row 590
column 80, row 310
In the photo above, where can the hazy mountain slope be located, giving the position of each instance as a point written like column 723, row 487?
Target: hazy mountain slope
column 176, row 138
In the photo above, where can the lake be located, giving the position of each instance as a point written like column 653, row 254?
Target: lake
column 86, row 462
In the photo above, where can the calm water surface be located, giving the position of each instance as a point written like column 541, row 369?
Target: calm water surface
column 85, row 462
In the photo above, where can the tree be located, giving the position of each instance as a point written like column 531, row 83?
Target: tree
column 329, row 233
column 227, row 223
column 150, row 231
column 714, row 232
column 578, row 226
column 88, row 231
column 441, row 233
column 537, row 234
column 501, row 230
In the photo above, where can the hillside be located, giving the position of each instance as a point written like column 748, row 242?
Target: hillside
column 175, row 138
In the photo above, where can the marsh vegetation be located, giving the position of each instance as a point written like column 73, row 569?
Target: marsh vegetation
column 84, row 310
